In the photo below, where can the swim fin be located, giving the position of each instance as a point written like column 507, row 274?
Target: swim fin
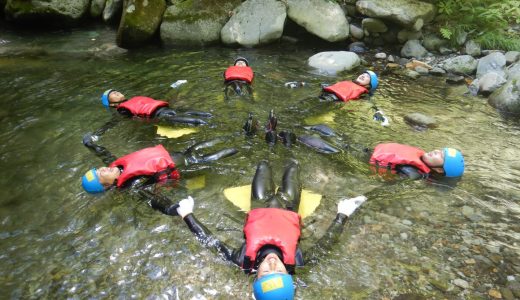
column 170, row 132
column 241, row 197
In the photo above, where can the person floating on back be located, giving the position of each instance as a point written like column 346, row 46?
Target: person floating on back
column 239, row 78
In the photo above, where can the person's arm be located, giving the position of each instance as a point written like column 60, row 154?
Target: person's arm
column 346, row 208
column 379, row 115
column 185, row 210
column 158, row 201
column 107, row 126
column 100, row 151
column 410, row 172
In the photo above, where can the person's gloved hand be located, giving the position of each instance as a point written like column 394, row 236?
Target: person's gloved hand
column 380, row 117
column 89, row 138
column 185, row 207
column 348, row 206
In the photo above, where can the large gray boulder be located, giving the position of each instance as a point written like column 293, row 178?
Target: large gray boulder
column 139, row 22
column 195, row 22
column 463, row 64
column 513, row 71
column 57, row 12
column 490, row 82
column 255, row 22
column 112, row 11
column 512, row 57
column 413, row 48
column 408, row 13
column 331, row 62
column 507, row 97
column 322, row 18
column 96, row 8
column 495, row 61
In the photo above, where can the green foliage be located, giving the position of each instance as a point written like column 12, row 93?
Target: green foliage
column 486, row 21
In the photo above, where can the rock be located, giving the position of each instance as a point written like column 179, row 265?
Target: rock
column 373, row 25
column 380, row 55
column 112, row 11
column 445, row 50
column 404, row 236
column 513, row 71
column 195, row 22
column 492, row 62
column 140, row 21
column 461, row 38
column 96, row 8
column 433, row 42
column 413, row 48
column 418, row 119
column 454, row 79
column 390, row 37
column 507, row 97
column 334, row 61
column 391, row 58
column 255, row 22
column 405, row 35
column 461, row 283
column 463, row 64
column 324, row 19
column 472, row 48
column 412, row 74
column 356, row 31
column 421, row 70
column 438, row 284
column 357, row 47
column 512, row 57
column 393, row 66
column 488, row 52
column 55, row 12
column 417, row 63
column 404, row 12
column 490, row 82
column 470, row 261
column 495, row 294
column 437, row 71
column 507, row 294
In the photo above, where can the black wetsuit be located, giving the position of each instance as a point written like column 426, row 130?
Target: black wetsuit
column 288, row 196
column 144, row 186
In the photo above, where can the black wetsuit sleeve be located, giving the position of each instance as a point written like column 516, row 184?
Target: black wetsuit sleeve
column 101, row 152
column 158, row 201
column 210, row 241
column 410, row 172
column 108, row 125
column 327, row 241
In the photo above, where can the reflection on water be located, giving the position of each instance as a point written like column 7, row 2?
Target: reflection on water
column 410, row 238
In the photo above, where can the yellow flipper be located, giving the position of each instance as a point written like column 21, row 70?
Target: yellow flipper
column 241, row 197
column 170, row 132
column 326, row 118
column 195, row 183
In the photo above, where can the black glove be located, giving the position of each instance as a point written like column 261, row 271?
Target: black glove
column 89, row 139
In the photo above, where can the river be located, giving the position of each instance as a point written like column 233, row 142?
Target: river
column 411, row 239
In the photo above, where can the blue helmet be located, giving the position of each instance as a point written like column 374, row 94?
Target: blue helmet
column 374, row 82
column 90, row 182
column 453, row 162
column 274, row 286
column 104, row 97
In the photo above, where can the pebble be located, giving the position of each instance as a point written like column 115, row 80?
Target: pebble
column 380, row 55
column 407, row 222
column 461, row 283
column 404, row 236
column 495, row 294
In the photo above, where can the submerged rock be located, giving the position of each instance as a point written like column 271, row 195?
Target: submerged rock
column 140, row 21
column 507, row 97
column 324, row 19
column 418, row 119
column 195, row 22
column 334, row 61
column 255, row 22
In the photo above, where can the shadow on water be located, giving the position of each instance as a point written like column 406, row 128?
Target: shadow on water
column 411, row 237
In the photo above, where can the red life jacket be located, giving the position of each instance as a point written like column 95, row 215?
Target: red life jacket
column 239, row 73
column 346, row 90
column 271, row 226
column 153, row 161
column 142, row 106
column 393, row 154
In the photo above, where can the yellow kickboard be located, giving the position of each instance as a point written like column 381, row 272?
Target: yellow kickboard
column 170, row 132
column 241, row 197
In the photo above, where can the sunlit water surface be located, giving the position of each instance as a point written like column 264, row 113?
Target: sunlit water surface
column 411, row 238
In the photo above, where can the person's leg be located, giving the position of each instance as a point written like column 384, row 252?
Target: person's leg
column 167, row 114
column 193, row 156
column 262, row 187
column 290, row 191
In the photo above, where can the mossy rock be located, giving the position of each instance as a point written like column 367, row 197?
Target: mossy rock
column 50, row 12
column 196, row 22
column 139, row 22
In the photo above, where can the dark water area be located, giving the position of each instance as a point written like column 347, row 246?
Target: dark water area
column 410, row 238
